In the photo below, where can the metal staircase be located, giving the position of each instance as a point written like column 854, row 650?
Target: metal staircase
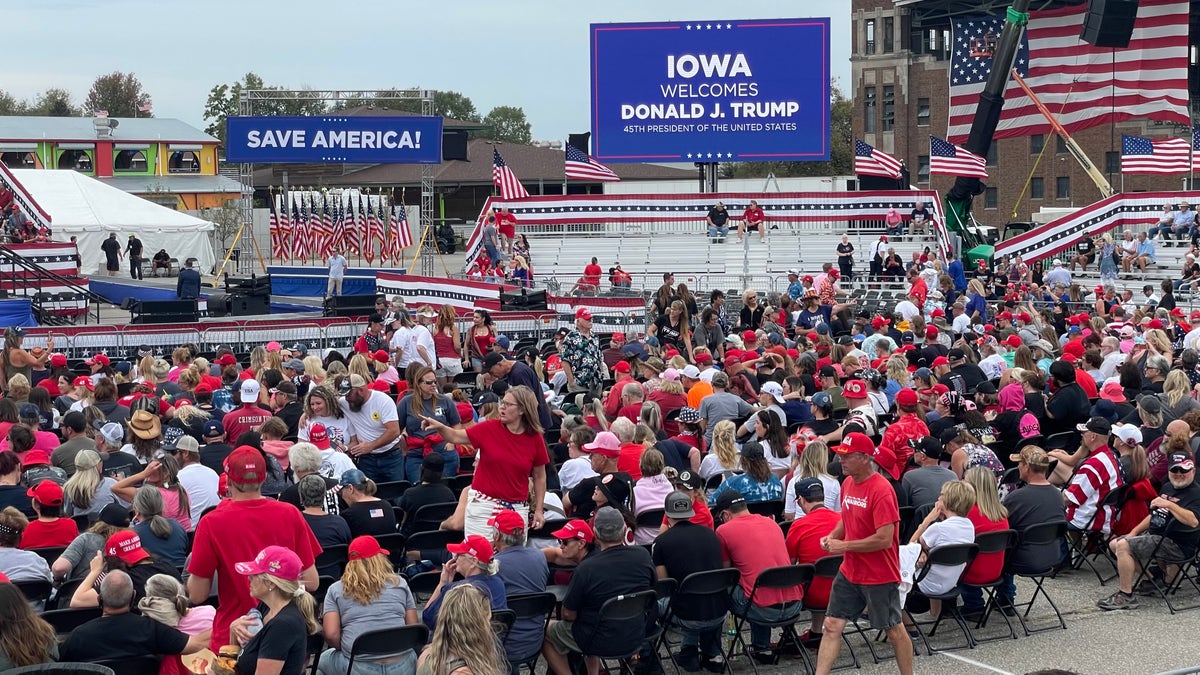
column 29, row 278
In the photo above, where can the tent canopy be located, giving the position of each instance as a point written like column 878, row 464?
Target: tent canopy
column 89, row 210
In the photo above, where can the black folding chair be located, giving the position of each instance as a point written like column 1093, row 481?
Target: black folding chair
column 783, row 577
column 49, row 553
column 1045, row 534
column 65, row 591
column 61, row 668
column 502, row 623
column 1168, row 588
column 323, row 584
column 332, row 560
column 66, row 620
column 432, row 540
column 995, row 598
column 698, row 587
column 430, row 516
column 772, row 508
column 531, row 606
column 388, row 642
column 1092, row 544
column 948, row 555
column 394, row 545
column 422, row 585
column 459, row 483
column 828, row 568
column 35, row 591
column 391, row 491
column 633, row 607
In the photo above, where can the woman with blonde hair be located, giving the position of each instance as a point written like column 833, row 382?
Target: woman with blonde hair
column 88, row 490
column 1023, row 359
column 166, row 601
column 190, row 419
column 314, row 370
column 359, row 366
column 273, row 361
column 897, row 371
column 370, row 596
column 446, row 340
column 723, row 456
column 813, row 462
column 258, row 358
column 988, row 515
column 289, row 616
column 463, row 642
column 18, row 389
column 1177, row 395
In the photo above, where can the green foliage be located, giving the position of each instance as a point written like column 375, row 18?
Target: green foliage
column 841, row 152
column 54, row 102
column 119, row 94
column 223, row 102
column 508, row 124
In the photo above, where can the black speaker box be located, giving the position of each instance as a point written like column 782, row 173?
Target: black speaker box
column 165, row 311
column 523, row 301
column 249, row 305
column 251, row 285
column 1109, row 23
column 454, row 146
column 349, row 305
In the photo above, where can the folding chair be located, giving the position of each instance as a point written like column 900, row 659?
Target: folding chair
column 66, row 620
column 502, row 623
column 772, row 509
column 827, row 568
column 391, row 491
column 1092, row 543
column 1187, row 568
column 999, row 541
column 1044, row 534
column 783, row 577
column 61, row 668
column 388, row 642
column 632, row 607
column 394, row 545
column 432, row 540
column 332, row 561
column 430, row 516
column 323, row 584
column 714, row 585
column 36, row 591
column 529, row 606
column 138, row 665
column 949, row 555
column 459, row 483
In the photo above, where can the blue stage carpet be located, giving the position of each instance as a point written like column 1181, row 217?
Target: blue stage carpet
column 116, row 292
column 17, row 312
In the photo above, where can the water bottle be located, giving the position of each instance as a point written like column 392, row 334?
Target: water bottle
column 257, row 625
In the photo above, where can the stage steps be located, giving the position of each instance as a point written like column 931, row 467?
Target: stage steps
column 48, row 274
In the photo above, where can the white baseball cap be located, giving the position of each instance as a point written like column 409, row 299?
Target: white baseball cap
column 250, row 389
column 691, row 372
column 1127, row 432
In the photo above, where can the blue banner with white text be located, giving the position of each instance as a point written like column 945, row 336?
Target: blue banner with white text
column 334, row 139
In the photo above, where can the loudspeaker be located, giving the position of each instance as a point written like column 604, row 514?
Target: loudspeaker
column 218, row 305
column 523, row 301
column 249, row 305
column 1109, row 23
column 165, row 311
column 580, row 141
column 349, row 305
column 251, row 285
column 454, row 145
column 881, row 183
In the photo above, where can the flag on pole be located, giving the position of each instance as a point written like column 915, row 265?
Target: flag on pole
column 402, row 234
column 1165, row 156
column 582, row 167
column 951, row 160
column 338, row 227
column 325, row 229
column 871, row 162
column 294, row 230
column 301, row 229
column 278, row 236
column 350, row 226
column 504, row 179
column 1195, row 149
column 372, row 232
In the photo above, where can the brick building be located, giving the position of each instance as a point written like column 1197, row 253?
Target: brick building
column 900, row 61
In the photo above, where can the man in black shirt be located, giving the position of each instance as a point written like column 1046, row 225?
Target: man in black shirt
column 431, row 490
column 1068, row 405
column 121, row 634
column 615, row 569
column 718, row 223
column 215, row 448
column 112, row 250
column 970, row 373
column 684, row 549
column 516, row 373
column 134, row 249
column 1179, row 501
column 287, row 408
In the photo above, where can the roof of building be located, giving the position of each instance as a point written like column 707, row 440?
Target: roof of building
column 81, row 130
column 177, row 184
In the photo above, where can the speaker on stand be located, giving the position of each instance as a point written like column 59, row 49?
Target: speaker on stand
column 1109, row 23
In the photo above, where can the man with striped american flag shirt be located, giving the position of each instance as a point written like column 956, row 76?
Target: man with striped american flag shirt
column 1098, row 475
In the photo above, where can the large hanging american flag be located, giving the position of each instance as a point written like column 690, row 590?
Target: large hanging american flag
column 1146, row 156
column 505, row 180
column 400, row 237
column 949, row 160
column 374, row 231
column 871, row 162
column 1073, row 78
column 582, row 167
column 338, row 226
column 300, row 228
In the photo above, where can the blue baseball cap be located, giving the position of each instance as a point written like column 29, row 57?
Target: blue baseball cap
column 353, row 477
column 822, row 400
column 213, row 428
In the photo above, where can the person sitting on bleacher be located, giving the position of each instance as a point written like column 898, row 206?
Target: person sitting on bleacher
column 161, row 264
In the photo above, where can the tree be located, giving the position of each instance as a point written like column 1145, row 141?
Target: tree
column 508, row 124
column 120, row 94
column 226, row 220
column 54, row 102
column 9, row 105
column 841, row 151
column 222, row 103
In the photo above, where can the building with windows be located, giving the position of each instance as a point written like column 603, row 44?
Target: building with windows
column 164, row 161
column 900, row 63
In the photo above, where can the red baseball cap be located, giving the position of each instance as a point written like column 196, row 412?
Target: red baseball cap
column 855, row 442
column 606, row 443
column 507, row 522
column 906, row 397
column 58, row 360
column 621, row 367
column 36, row 458
column 1112, row 391
column 618, row 337
column 84, row 381
column 246, row 466
column 380, row 385
column 1024, row 317
column 1012, row 341
column 203, row 388
column 4, row 578
column 733, row 352
column 749, row 336
column 575, row 529
column 226, row 360
column 854, row 389
column 937, row 311
column 365, row 547
column 101, row 359
column 274, row 346
column 671, row 353
column 1175, row 311
column 878, row 322
column 931, row 332
column 747, row 357
column 1007, row 316
column 47, row 493
column 274, row 560
column 940, row 361
column 1153, row 324
column 704, row 357
column 318, row 435
column 127, row 546
column 381, row 356
column 475, row 546
column 1195, row 314
column 583, row 313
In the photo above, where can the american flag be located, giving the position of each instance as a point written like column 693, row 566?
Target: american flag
column 1195, row 149
column 871, row 162
column 278, row 236
column 374, row 231
column 338, row 227
column 350, row 226
column 300, row 228
column 1073, row 78
column 581, row 167
column 505, row 179
column 949, row 160
column 21, row 196
column 323, row 230
column 401, row 235
column 1143, row 155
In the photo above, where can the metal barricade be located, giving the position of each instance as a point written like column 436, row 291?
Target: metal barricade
column 212, row 339
column 341, row 335
column 161, row 339
column 255, row 333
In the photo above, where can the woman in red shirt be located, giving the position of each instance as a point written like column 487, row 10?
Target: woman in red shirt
column 511, row 451
column 988, row 515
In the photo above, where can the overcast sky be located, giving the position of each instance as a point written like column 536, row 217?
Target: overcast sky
column 528, row 53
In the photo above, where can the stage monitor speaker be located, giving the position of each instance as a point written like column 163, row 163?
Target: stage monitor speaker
column 249, row 305
column 523, row 301
column 454, row 146
column 1109, row 23
column 218, row 305
column 349, row 305
column 165, row 311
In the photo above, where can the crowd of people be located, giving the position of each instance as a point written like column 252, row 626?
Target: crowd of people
column 792, row 430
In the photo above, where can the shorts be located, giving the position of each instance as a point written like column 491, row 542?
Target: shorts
column 449, row 366
column 562, row 638
column 1142, row 547
column 507, row 231
column 882, row 602
column 752, row 227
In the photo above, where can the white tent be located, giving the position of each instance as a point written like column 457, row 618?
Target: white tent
column 88, row 209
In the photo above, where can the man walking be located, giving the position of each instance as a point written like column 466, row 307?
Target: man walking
column 188, row 285
column 869, row 542
column 581, row 358
column 134, row 249
column 112, row 254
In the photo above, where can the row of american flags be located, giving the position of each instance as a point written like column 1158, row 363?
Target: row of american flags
column 308, row 224
column 577, row 165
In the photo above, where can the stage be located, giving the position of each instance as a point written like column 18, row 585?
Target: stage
column 117, row 289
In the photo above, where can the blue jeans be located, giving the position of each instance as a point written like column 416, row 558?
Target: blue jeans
column 714, row 232
column 412, row 466
column 706, row 635
column 334, row 662
column 1163, row 228
column 492, row 254
column 972, row 598
column 760, row 635
column 383, row 468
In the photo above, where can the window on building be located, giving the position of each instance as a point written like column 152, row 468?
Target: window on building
column 923, row 168
column 922, row 112
column 1037, row 188
column 944, row 45
column 1062, row 187
column 1036, row 143
column 991, row 198
column 869, row 110
column 992, row 153
column 183, row 162
column 889, row 29
column 869, row 45
column 129, row 161
column 889, row 108
column 19, row 160
column 1112, row 162
column 1060, row 145
column 78, row 160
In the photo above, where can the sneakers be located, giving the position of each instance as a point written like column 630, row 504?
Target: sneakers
column 1149, row 587
column 1118, row 600
column 810, row 639
column 764, row 656
column 715, row 664
column 688, row 659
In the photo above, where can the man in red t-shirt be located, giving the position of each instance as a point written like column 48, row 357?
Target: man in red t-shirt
column 49, row 529
column 506, row 224
column 236, row 531
column 589, row 283
column 869, row 542
column 249, row 417
column 752, row 543
column 753, row 219
column 804, row 546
